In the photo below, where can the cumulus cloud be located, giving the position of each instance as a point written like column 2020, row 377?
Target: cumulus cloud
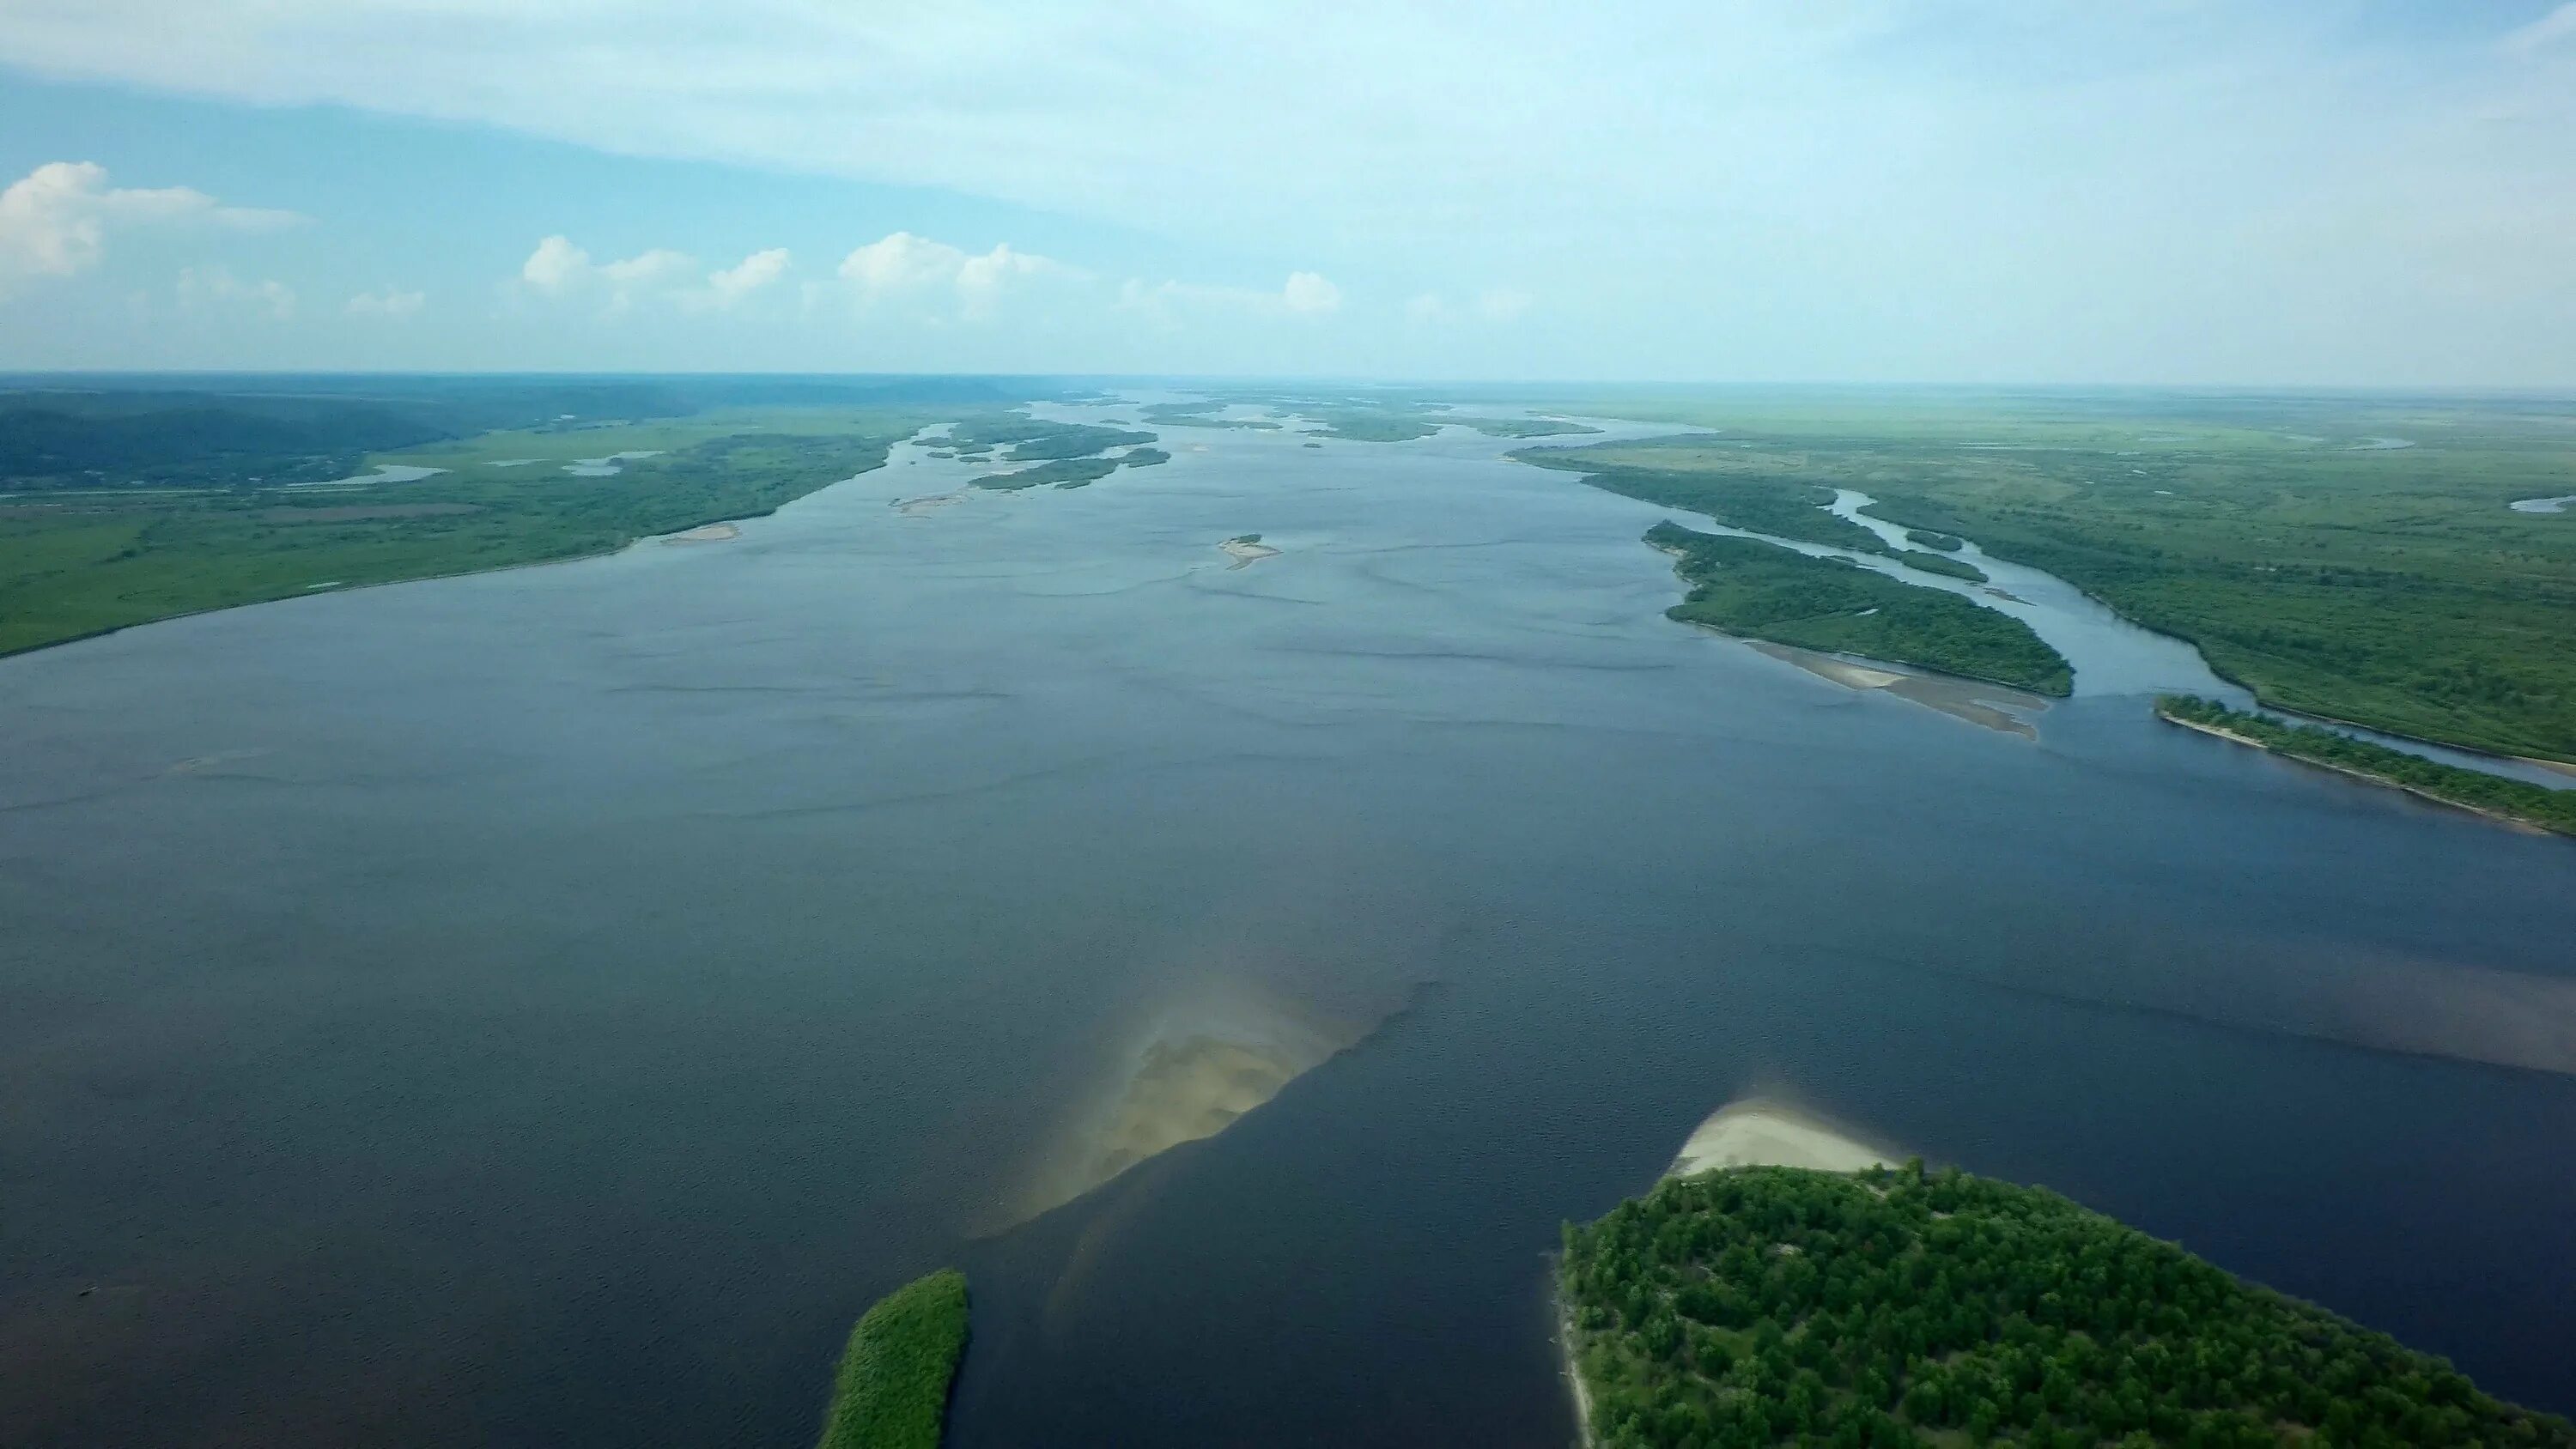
column 558, row 269
column 556, row 266
column 55, row 220
column 914, row 271
column 752, row 273
column 388, row 303
column 214, row 288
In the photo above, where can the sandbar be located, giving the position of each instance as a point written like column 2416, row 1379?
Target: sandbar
column 1247, row 551
column 705, row 533
column 1997, row 707
column 1197, row 1067
column 1766, row 1132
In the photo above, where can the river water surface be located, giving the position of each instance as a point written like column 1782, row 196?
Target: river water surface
column 547, row 1006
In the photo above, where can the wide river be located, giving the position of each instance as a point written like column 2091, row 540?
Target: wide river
column 546, row 1007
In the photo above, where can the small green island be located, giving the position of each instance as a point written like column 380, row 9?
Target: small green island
column 892, row 1388
column 2519, row 801
column 1879, row 1308
column 1757, row 590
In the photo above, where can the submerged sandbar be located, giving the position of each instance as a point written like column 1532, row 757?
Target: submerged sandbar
column 1767, row 1132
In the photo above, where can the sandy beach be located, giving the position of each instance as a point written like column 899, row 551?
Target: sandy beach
column 1997, row 707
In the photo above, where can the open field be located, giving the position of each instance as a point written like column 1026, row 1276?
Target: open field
column 2306, row 554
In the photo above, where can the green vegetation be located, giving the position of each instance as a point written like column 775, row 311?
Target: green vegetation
column 1772, row 1305
column 1063, row 473
column 1763, row 591
column 1202, row 414
column 1073, row 472
column 80, row 563
column 1787, row 509
column 1525, row 427
column 892, row 1388
column 1373, row 426
column 1945, row 542
column 2331, row 574
column 1934, row 563
column 1245, row 538
column 2452, row 784
column 1030, row 441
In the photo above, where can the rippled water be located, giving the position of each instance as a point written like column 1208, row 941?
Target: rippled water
column 547, row 1006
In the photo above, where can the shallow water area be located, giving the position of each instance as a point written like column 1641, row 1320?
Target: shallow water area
column 547, row 1006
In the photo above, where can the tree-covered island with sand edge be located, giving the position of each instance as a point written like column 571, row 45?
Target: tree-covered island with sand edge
column 1784, row 1284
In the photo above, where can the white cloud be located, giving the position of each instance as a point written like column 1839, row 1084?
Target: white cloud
column 388, row 303
column 754, row 272
column 55, row 220
column 911, row 271
column 556, row 266
column 562, row 271
column 1501, row 304
column 1310, row 292
column 214, row 289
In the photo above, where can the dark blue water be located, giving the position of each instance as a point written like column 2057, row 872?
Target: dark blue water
column 546, row 1007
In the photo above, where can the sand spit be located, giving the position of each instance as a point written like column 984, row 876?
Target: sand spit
column 705, row 533
column 1766, row 1132
column 1194, row 1070
column 1996, row 707
column 1246, row 551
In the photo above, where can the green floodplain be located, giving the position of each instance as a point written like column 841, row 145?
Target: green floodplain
column 2348, row 557
column 1755, row 1306
column 123, row 508
column 892, row 1388
column 1759, row 590
column 2515, row 800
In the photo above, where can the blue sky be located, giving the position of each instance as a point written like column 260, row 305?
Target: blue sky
column 2329, row 192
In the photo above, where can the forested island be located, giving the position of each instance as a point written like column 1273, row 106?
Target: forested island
column 2496, row 795
column 1754, row 1306
column 1762, row 591
column 892, row 1388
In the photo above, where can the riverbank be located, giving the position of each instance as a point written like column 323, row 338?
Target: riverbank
column 2511, row 802
column 1758, row 590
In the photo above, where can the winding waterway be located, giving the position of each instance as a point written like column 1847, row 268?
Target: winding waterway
column 547, row 1006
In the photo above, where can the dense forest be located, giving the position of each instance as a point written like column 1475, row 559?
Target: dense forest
column 892, row 1388
column 1768, row 1305
column 2516, row 799
column 1763, row 591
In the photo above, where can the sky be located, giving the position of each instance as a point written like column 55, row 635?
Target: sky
column 2164, row 192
